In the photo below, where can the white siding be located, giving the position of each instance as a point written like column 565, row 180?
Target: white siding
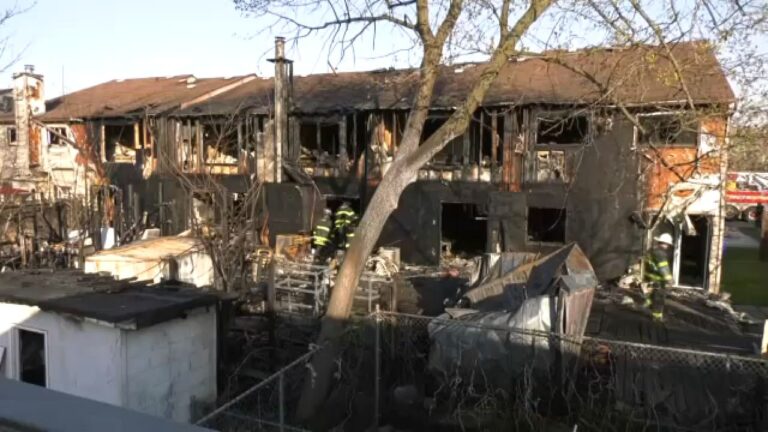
column 171, row 364
column 83, row 359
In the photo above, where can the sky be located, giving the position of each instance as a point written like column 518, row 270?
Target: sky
column 80, row 43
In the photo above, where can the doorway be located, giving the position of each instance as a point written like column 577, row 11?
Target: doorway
column 694, row 253
column 690, row 260
column 463, row 230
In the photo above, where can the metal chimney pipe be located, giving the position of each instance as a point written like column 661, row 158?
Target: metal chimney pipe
column 281, row 119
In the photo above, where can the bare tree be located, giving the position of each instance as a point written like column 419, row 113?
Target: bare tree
column 498, row 31
column 202, row 152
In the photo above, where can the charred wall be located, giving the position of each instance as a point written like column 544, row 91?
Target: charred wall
column 415, row 225
column 291, row 208
column 602, row 197
column 597, row 202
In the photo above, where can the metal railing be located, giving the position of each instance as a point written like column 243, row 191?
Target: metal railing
column 304, row 287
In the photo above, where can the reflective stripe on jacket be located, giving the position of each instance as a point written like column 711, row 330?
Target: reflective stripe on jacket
column 657, row 266
column 321, row 235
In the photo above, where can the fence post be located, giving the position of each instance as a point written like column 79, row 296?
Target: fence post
column 281, row 400
column 377, row 367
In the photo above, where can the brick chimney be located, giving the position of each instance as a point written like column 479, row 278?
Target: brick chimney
column 29, row 101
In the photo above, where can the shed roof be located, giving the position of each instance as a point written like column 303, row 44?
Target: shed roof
column 27, row 407
column 101, row 298
column 637, row 75
column 150, row 249
column 120, row 98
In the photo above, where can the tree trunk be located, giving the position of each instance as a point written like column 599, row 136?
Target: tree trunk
column 384, row 200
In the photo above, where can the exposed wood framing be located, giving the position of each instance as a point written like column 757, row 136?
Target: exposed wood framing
column 494, row 141
column 102, row 143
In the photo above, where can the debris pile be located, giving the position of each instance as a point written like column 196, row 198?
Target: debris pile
column 531, row 297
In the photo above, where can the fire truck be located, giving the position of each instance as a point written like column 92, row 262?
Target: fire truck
column 744, row 192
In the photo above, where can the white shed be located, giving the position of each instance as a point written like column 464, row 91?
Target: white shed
column 152, row 349
column 179, row 258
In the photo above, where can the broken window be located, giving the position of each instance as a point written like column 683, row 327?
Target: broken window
column 10, row 135
column 220, row 144
column 452, row 153
column 320, row 138
column 119, row 143
column 550, row 166
column 668, row 130
column 562, row 130
column 32, row 358
column 56, row 134
column 463, row 230
column 546, row 225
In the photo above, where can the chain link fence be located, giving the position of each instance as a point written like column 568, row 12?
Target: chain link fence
column 423, row 373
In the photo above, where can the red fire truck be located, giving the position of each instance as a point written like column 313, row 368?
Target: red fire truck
column 744, row 191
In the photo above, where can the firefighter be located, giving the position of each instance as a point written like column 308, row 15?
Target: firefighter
column 344, row 222
column 322, row 236
column 658, row 274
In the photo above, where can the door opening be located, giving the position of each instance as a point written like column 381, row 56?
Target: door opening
column 694, row 253
column 463, row 230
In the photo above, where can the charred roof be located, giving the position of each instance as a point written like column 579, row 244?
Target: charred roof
column 101, row 298
column 136, row 97
column 639, row 75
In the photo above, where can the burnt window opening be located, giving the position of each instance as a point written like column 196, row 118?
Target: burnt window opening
column 452, row 153
column 55, row 135
column 668, row 130
column 550, row 166
column 10, row 135
column 546, row 225
column 220, row 144
column 357, row 136
column 480, row 140
column 32, row 358
column 120, row 143
column 463, row 230
column 562, row 130
column 320, row 140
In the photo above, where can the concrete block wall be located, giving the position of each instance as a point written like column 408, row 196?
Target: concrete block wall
column 171, row 365
column 82, row 358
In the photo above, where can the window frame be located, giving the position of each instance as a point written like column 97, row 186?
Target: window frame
column 12, row 130
column 63, row 130
column 16, row 341
column 561, row 116
column 563, row 214
column 638, row 139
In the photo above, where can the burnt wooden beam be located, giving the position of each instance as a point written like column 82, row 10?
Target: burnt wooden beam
column 494, row 141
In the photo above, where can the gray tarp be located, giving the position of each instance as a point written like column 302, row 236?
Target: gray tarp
column 463, row 338
column 550, row 295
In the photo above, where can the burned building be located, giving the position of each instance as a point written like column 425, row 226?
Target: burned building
column 602, row 147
